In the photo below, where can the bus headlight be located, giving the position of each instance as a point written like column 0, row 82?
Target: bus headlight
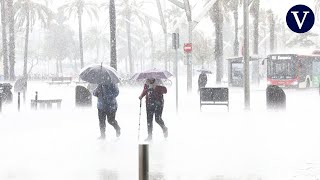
column 295, row 83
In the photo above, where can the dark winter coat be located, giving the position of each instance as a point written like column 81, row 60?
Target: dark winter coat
column 153, row 95
column 202, row 81
column 107, row 94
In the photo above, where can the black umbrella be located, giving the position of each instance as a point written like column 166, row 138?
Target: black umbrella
column 98, row 74
column 206, row 71
column 21, row 84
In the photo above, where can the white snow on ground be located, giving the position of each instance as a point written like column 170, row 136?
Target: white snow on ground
column 213, row 144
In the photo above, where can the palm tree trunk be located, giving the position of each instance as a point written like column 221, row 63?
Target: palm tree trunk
column 202, row 63
column 126, row 64
column 217, row 19
column 80, row 38
column 272, row 35
column 4, row 41
column 57, row 67
column 98, row 52
column 275, row 42
column 255, row 71
column 131, row 64
column 25, row 64
column 164, row 27
column 151, row 41
column 236, row 32
column 75, row 65
column 48, row 66
column 60, row 63
column 256, row 27
column 11, row 39
column 113, row 39
column 283, row 28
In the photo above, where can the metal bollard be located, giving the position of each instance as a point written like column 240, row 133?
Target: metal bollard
column 19, row 101
column 143, row 162
column 36, row 101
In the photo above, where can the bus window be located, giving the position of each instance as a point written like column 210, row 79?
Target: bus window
column 282, row 69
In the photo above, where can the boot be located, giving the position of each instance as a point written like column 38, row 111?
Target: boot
column 102, row 137
column 103, row 133
column 118, row 132
column 165, row 132
column 149, row 138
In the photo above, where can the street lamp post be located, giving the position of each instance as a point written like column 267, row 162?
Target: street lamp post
column 246, row 54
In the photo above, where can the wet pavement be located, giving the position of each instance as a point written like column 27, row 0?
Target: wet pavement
column 208, row 145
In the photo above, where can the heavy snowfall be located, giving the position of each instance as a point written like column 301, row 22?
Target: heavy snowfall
column 46, row 46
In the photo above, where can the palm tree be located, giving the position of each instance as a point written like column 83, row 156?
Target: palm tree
column 202, row 48
column 126, row 12
column 255, row 13
column 77, row 8
column 165, row 31
column 147, row 22
column 129, row 10
column 263, row 18
column 272, row 30
column 111, row 7
column 11, row 39
column 113, row 39
column 139, row 38
column 59, row 42
column 93, row 40
column 216, row 16
column 234, row 6
column 27, row 12
column 4, row 40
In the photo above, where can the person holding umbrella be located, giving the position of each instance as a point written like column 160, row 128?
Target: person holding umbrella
column 107, row 92
column 107, row 107
column 202, row 80
column 154, row 90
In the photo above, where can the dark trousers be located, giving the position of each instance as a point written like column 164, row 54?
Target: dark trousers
column 154, row 110
column 111, row 116
column 201, row 86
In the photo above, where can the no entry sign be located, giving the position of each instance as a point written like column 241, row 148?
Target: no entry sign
column 187, row 47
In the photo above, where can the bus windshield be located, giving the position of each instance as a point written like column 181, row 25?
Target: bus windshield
column 282, row 68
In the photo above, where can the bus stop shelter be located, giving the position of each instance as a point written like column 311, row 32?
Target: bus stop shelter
column 236, row 71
